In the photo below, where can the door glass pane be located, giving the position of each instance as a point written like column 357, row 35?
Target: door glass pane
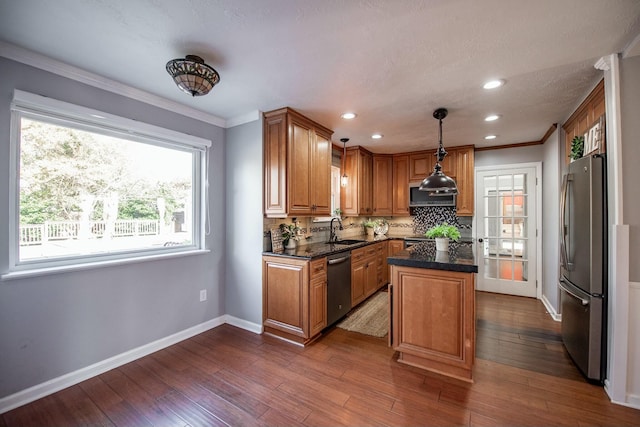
column 506, row 269
column 490, row 247
column 520, row 248
column 490, row 184
column 520, row 271
column 491, row 268
column 491, row 227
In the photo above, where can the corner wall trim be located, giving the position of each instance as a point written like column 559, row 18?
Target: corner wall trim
column 552, row 312
column 56, row 384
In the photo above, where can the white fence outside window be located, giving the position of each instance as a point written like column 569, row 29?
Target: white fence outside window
column 37, row 234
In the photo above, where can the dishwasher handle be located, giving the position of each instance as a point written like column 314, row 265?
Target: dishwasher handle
column 340, row 260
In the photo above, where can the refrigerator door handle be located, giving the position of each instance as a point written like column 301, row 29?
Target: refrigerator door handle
column 564, row 257
column 579, row 298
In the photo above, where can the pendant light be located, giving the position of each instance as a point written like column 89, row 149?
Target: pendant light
column 438, row 184
column 345, row 179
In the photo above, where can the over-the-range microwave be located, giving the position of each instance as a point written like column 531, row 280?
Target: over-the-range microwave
column 418, row 198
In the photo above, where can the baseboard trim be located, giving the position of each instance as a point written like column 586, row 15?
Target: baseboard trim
column 552, row 312
column 243, row 324
column 56, row 384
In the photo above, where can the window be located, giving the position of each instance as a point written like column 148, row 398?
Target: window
column 91, row 187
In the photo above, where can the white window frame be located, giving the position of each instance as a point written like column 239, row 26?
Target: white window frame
column 53, row 111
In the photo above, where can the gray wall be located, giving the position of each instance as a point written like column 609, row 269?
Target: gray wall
column 553, row 151
column 244, row 220
column 630, row 106
column 507, row 156
column 55, row 324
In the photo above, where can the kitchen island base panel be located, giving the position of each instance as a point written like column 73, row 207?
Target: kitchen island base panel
column 436, row 367
column 433, row 319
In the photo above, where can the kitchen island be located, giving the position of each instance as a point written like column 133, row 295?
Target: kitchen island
column 433, row 308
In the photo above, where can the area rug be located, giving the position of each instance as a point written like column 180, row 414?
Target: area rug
column 371, row 318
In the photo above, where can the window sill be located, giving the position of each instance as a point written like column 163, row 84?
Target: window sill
column 44, row 271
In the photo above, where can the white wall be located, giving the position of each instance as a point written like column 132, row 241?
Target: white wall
column 58, row 324
column 243, row 165
column 551, row 181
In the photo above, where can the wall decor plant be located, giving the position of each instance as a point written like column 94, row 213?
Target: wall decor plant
column 577, row 147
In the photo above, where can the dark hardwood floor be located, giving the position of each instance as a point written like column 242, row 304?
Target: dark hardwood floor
column 228, row 376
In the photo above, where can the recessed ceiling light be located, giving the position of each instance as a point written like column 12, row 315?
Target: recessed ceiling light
column 377, row 136
column 348, row 116
column 491, row 118
column 490, row 137
column 493, row 84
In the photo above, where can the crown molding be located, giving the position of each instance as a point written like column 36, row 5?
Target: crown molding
column 45, row 63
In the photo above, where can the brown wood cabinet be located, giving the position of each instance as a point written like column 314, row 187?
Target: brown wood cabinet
column 465, row 180
column 368, row 266
column 421, row 164
column 433, row 319
column 357, row 197
column 294, row 297
column 400, row 186
column 585, row 117
column 297, row 165
column 382, row 185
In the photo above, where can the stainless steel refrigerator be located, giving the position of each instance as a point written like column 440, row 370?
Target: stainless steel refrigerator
column 583, row 265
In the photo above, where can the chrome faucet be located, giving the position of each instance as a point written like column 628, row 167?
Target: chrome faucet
column 332, row 232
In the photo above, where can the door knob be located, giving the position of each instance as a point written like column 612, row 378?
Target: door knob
column 480, row 240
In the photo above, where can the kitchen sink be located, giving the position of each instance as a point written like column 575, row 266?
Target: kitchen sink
column 347, row 242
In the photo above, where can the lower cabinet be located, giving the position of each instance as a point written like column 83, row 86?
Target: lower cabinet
column 433, row 319
column 294, row 297
column 367, row 271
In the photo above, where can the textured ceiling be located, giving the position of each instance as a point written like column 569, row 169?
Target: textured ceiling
column 392, row 62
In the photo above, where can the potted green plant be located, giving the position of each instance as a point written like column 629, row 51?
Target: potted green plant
column 443, row 233
column 368, row 226
column 289, row 235
column 577, row 147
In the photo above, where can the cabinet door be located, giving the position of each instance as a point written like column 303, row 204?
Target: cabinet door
column 349, row 194
column 395, row 246
column 285, row 299
column 371, row 276
column 381, row 263
column 321, row 182
column 465, row 181
column 275, row 157
column 421, row 165
column 317, row 305
column 400, row 185
column 365, row 181
column 382, row 185
column 358, row 278
column 301, row 142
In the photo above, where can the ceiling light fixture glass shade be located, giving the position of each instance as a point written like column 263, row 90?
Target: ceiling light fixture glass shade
column 192, row 75
column 344, row 180
column 438, row 184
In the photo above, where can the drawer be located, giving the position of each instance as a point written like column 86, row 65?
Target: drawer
column 318, row 268
column 359, row 254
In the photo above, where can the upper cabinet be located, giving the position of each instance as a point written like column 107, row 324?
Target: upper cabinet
column 382, row 184
column 585, row 117
column 465, row 161
column 357, row 197
column 400, row 190
column 297, row 165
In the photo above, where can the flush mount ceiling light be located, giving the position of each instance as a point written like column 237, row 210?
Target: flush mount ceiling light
column 438, row 184
column 491, row 118
column 376, row 136
column 345, row 179
column 493, row 84
column 192, row 75
column 349, row 116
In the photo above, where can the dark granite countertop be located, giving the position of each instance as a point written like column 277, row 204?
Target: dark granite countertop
column 317, row 250
column 460, row 257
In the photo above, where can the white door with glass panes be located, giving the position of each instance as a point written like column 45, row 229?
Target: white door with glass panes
column 506, row 231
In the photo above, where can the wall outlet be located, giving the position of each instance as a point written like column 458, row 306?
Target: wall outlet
column 203, row 295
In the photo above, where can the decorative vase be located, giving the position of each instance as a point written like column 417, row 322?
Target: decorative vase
column 369, row 231
column 442, row 244
column 291, row 244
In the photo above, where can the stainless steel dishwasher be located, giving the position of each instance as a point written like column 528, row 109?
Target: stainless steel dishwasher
column 338, row 286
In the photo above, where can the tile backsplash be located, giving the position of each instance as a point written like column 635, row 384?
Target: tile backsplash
column 421, row 220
